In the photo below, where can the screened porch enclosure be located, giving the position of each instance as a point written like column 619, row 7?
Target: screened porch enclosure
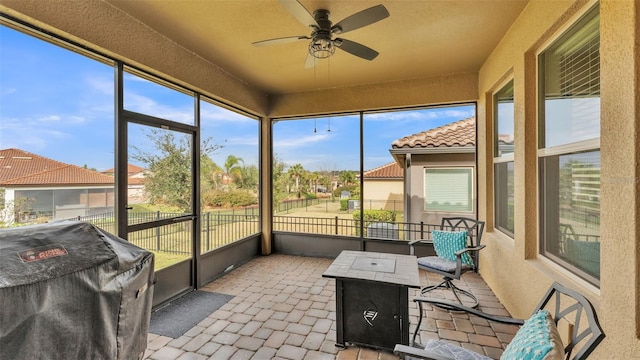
column 271, row 157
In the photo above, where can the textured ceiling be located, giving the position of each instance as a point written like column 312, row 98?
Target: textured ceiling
column 419, row 39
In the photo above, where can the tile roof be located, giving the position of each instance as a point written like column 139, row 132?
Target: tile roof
column 506, row 139
column 131, row 169
column 18, row 167
column 388, row 171
column 457, row 134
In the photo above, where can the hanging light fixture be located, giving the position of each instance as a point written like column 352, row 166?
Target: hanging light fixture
column 321, row 47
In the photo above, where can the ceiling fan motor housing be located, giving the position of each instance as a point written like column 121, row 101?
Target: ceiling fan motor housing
column 321, row 45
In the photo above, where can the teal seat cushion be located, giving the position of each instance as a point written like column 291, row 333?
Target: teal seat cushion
column 447, row 243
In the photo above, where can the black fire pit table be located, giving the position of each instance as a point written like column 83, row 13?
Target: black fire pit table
column 372, row 297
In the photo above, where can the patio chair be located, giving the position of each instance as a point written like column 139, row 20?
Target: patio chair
column 539, row 332
column 457, row 246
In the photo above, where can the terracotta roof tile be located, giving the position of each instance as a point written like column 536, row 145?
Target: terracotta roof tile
column 18, row 167
column 506, row 139
column 388, row 171
column 131, row 169
column 457, row 134
column 136, row 181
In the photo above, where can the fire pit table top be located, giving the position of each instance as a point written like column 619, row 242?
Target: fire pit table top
column 374, row 266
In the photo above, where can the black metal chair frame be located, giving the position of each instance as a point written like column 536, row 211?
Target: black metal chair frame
column 567, row 304
column 474, row 229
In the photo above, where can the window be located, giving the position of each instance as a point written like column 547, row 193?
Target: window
column 345, row 174
column 57, row 109
column 316, row 167
column 229, row 175
column 503, row 159
column 569, row 149
column 448, row 189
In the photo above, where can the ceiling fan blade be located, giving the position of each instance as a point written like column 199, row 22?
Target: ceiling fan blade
column 299, row 12
column 355, row 48
column 282, row 40
column 310, row 61
column 360, row 19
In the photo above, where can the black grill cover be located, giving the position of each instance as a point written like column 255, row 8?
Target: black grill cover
column 69, row 290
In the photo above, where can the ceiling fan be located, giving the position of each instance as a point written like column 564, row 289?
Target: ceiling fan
column 323, row 43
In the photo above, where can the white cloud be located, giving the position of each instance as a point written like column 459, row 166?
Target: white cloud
column 27, row 135
column 49, row 118
column 148, row 106
column 458, row 113
column 394, row 116
column 300, row 141
column 100, row 84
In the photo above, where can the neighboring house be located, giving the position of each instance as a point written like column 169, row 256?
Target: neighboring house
column 439, row 172
column 34, row 186
column 135, row 183
column 384, row 188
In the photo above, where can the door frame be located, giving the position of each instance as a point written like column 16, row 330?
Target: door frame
column 177, row 279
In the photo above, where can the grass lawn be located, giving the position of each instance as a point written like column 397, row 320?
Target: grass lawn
column 163, row 259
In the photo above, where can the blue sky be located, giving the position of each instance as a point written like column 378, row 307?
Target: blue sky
column 59, row 104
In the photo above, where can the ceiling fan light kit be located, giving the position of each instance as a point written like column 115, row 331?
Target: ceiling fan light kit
column 323, row 44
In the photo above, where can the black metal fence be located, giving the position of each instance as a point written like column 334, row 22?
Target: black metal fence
column 330, row 204
column 224, row 227
column 351, row 227
column 218, row 229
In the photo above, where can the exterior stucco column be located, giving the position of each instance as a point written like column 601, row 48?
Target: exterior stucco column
column 620, row 179
column 266, row 185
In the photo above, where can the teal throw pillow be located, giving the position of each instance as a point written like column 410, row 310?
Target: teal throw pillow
column 534, row 340
column 447, row 243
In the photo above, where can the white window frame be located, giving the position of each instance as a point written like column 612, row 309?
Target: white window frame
column 569, row 148
column 500, row 158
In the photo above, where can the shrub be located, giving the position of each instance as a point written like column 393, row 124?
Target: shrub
column 310, row 196
column 344, row 204
column 371, row 216
column 229, row 199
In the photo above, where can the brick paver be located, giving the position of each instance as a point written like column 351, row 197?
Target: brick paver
column 284, row 309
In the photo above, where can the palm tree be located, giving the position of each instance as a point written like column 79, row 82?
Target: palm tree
column 347, row 177
column 233, row 168
column 313, row 181
column 295, row 172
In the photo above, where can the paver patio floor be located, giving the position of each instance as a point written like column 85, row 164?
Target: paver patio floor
column 284, row 309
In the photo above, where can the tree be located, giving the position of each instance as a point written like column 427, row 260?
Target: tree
column 168, row 167
column 249, row 178
column 280, row 180
column 347, row 177
column 313, row 181
column 233, row 169
column 295, row 172
column 210, row 173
